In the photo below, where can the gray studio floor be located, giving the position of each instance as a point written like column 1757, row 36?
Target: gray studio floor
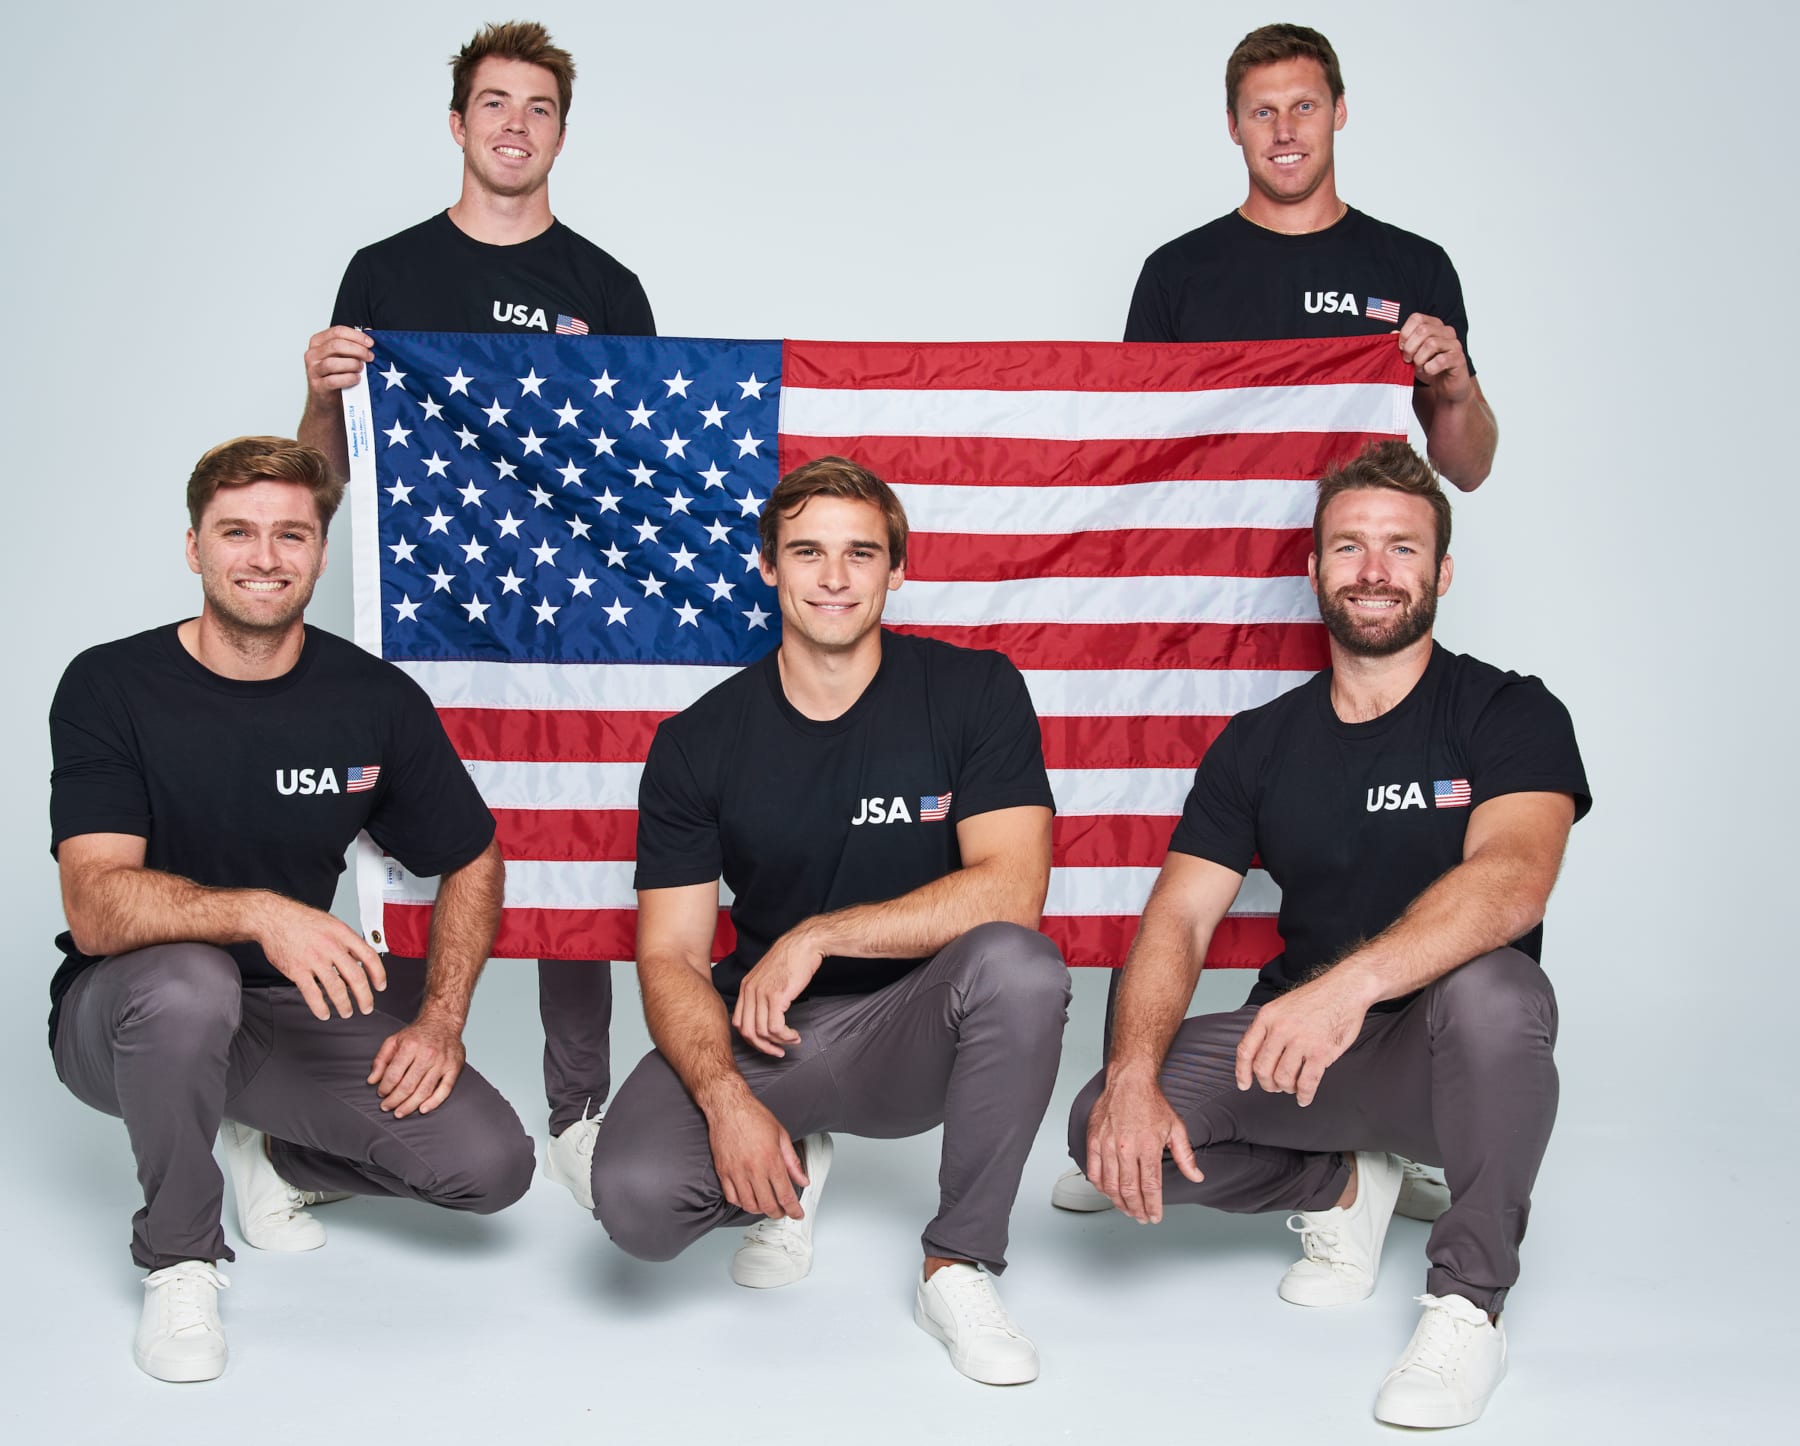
column 1641, row 1322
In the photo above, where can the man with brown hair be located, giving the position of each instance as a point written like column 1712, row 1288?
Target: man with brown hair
column 498, row 260
column 208, row 777
column 1296, row 261
column 878, row 805
column 1413, row 804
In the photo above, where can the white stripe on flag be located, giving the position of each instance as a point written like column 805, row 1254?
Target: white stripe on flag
column 555, row 785
column 667, row 688
column 1111, row 693
column 1245, row 600
column 1123, row 891
column 1045, row 511
column 1097, row 792
column 1087, row 416
column 537, row 884
column 650, row 687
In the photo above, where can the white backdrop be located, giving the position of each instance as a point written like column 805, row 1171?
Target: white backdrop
column 185, row 182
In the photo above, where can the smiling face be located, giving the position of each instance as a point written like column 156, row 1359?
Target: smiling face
column 512, row 131
column 831, row 573
column 1285, row 122
column 1376, row 574
column 259, row 550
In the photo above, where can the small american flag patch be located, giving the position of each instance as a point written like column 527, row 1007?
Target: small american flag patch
column 571, row 326
column 933, row 809
column 1379, row 310
column 1451, row 792
column 361, row 780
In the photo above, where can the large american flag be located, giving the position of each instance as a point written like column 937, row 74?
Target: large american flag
column 556, row 536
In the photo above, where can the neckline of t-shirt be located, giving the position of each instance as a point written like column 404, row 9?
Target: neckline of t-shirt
column 824, row 727
column 1376, row 726
column 240, row 687
column 492, row 248
column 1268, row 236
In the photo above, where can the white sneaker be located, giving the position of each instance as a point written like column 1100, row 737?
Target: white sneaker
column 271, row 1213
column 1424, row 1194
column 1450, row 1367
column 179, row 1336
column 1074, row 1191
column 959, row 1305
column 1342, row 1246
column 569, row 1158
column 779, row 1252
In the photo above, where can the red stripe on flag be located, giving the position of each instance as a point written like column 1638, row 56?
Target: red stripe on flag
column 1242, row 941
column 544, row 933
column 1128, row 741
column 1129, row 552
column 567, row 835
column 1033, row 462
column 1177, row 646
column 1031, row 366
column 1087, row 940
column 550, row 735
column 1111, row 840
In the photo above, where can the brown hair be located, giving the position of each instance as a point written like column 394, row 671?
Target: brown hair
column 833, row 477
column 1390, row 466
column 524, row 40
column 1272, row 43
column 244, row 460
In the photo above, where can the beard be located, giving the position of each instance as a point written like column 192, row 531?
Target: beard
column 1410, row 620
column 237, row 618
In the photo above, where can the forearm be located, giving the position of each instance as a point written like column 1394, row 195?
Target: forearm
column 322, row 426
column 1482, row 904
column 1155, row 989
column 114, row 910
column 690, row 1029
column 1460, row 439
column 463, row 923
column 920, row 923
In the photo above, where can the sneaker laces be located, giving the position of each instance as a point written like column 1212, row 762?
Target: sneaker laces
column 188, row 1295
column 783, row 1234
column 973, row 1298
column 1320, row 1243
column 1443, row 1338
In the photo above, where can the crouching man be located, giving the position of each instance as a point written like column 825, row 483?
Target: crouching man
column 1413, row 804
column 208, row 776
column 878, row 805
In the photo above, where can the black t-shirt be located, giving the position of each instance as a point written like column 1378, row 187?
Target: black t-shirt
column 801, row 817
column 1355, row 820
column 254, row 785
column 432, row 277
column 1232, row 280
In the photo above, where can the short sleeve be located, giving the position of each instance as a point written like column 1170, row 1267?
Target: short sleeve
column 632, row 315
column 1443, row 288
column 428, row 813
column 97, row 783
column 678, row 823
column 1148, row 318
column 1524, row 742
column 354, row 307
column 1218, row 820
column 1003, row 762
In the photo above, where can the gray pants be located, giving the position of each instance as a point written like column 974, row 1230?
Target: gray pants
column 168, row 1039
column 1463, row 1076
column 575, row 1001
column 969, row 1040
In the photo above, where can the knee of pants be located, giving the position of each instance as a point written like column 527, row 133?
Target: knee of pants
column 493, row 1169
column 1016, row 966
column 1497, row 1004
column 636, row 1192
column 1079, row 1114
column 192, row 996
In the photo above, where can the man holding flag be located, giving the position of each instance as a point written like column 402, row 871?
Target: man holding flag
column 498, row 260
column 1414, row 805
